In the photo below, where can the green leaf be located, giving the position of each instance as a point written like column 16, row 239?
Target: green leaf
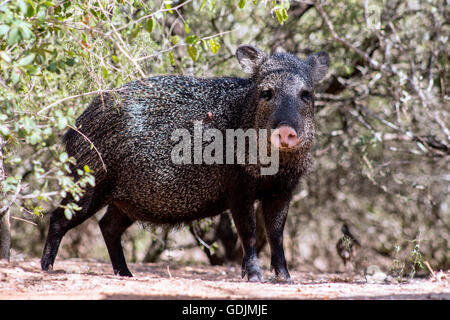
column 284, row 14
column 26, row 60
column 4, row 130
column 204, row 45
column 87, row 169
column 215, row 45
column 281, row 14
column 3, row 29
column 68, row 213
column 149, row 25
column 62, row 123
column 174, row 40
column 104, row 73
column 30, row 11
column 63, row 157
column 5, row 56
column 192, row 39
column 13, row 36
column 26, row 32
column 23, row 6
column 47, row 3
column 168, row 6
column 212, row 5
column 38, row 210
column 193, row 52
column 91, row 180
column 70, row 61
column 171, row 58
column 186, row 27
column 202, row 5
column 241, row 4
column 15, row 75
column 52, row 67
column 42, row 14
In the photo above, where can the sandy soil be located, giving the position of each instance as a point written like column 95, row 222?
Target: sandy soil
column 87, row 279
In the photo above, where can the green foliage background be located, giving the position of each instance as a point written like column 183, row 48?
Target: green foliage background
column 382, row 151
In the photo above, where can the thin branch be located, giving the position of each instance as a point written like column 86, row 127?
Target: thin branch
column 121, row 41
column 92, row 144
column 8, row 205
column 75, row 96
column 24, row 220
column 181, row 45
column 375, row 64
column 151, row 15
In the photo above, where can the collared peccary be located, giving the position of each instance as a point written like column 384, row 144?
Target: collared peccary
column 138, row 181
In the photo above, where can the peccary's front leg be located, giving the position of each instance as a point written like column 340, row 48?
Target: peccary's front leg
column 245, row 221
column 275, row 211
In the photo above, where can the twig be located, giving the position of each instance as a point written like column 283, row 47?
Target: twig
column 181, row 45
column 429, row 268
column 92, row 144
column 151, row 15
column 441, row 124
column 200, row 240
column 24, row 220
column 8, row 205
column 121, row 40
column 75, row 96
column 375, row 64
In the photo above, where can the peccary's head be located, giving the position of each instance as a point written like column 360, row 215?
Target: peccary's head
column 284, row 94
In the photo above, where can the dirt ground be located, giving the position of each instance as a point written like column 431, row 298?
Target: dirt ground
column 88, row 279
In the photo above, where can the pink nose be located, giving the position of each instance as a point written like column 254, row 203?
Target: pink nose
column 284, row 137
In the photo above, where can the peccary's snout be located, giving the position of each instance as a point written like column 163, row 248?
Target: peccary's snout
column 284, row 137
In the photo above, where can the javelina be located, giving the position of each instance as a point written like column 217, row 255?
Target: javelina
column 131, row 129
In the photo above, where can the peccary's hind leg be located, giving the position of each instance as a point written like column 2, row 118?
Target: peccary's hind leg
column 59, row 225
column 112, row 225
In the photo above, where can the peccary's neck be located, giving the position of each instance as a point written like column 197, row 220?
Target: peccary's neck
column 244, row 105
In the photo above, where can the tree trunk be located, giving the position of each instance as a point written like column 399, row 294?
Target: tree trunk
column 5, row 232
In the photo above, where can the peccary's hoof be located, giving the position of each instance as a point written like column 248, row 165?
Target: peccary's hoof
column 256, row 277
column 282, row 280
column 46, row 265
column 281, row 275
column 48, row 268
column 123, row 273
column 252, row 270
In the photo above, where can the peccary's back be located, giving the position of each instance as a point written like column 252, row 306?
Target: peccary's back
column 131, row 129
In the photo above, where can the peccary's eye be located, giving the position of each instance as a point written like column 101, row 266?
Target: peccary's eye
column 305, row 95
column 266, row 94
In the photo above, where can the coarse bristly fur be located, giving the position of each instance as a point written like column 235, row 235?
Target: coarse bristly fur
column 131, row 130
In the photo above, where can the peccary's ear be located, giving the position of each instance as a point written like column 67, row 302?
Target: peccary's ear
column 319, row 65
column 249, row 58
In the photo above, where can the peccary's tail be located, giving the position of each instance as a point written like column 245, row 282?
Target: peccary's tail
column 87, row 144
column 68, row 136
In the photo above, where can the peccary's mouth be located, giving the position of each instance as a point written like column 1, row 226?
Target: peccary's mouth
column 302, row 144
